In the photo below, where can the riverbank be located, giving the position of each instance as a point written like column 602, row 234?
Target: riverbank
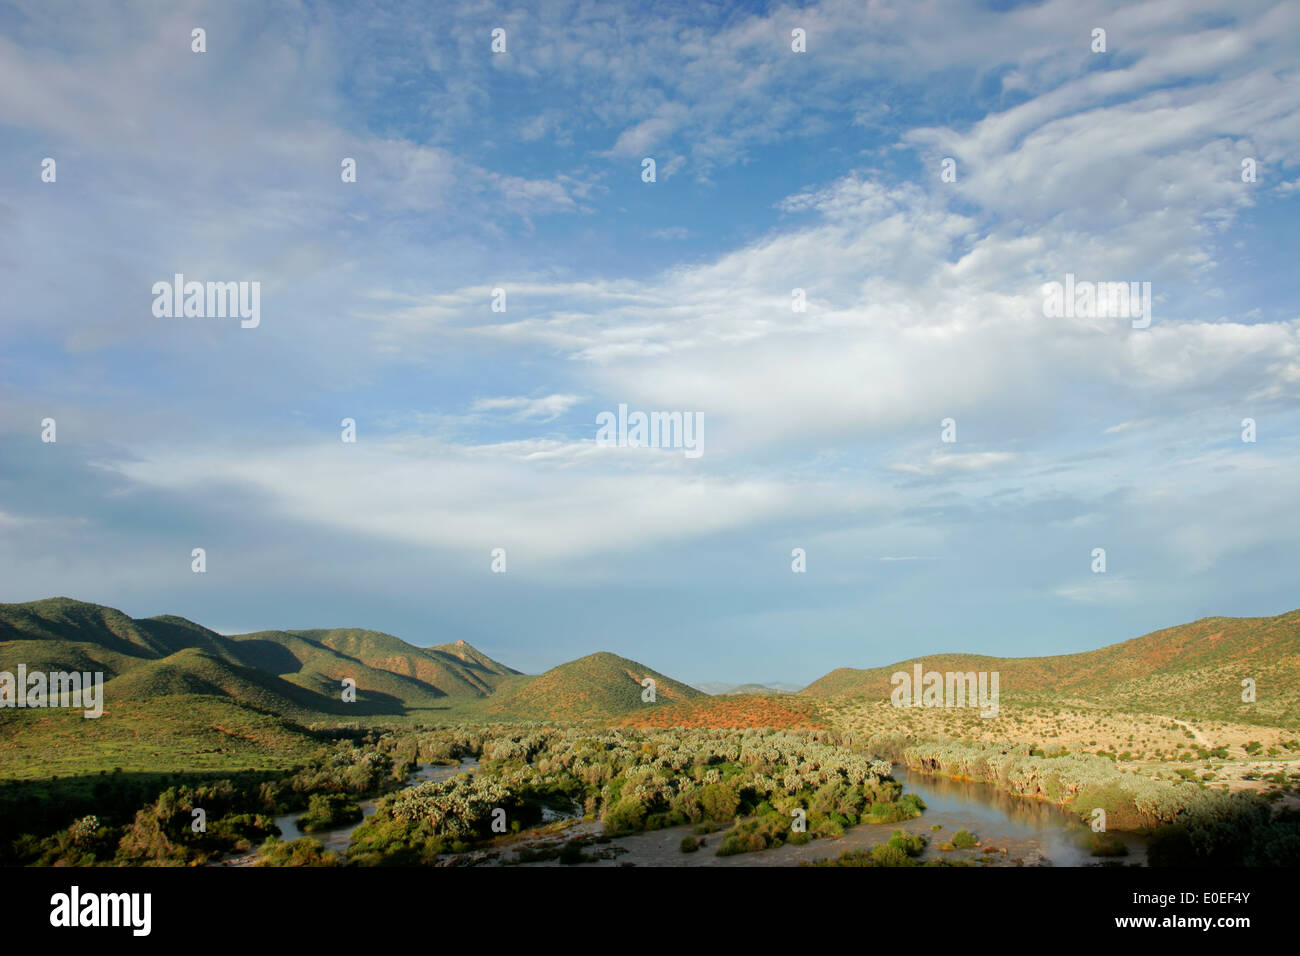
column 337, row 839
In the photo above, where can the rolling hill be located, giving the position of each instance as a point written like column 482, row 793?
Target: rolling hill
column 1201, row 664
column 718, row 687
column 595, row 687
column 297, row 675
column 756, row 689
column 293, row 679
column 179, row 695
column 293, row 674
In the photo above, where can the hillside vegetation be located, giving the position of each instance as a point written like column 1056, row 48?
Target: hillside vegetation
column 595, row 687
column 179, row 695
column 1193, row 670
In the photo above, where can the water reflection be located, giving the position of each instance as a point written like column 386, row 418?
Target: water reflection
column 1025, row 827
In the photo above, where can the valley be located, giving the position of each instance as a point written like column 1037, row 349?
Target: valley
column 588, row 767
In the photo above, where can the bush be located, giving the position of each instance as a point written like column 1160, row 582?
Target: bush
column 734, row 843
column 907, row 807
column 626, row 816
column 326, row 810
column 301, row 852
column 962, row 839
column 909, row 843
column 889, row 855
column 719, row 801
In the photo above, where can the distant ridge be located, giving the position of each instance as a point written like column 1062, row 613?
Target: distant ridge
column 720, row 687
column 297, row 674
column 1199, row 665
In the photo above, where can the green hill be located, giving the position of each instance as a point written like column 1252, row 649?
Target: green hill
column 194, row 671
column 594, row 687
column 295, row 674
column 179, row 695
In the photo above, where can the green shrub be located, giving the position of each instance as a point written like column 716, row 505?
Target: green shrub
column 962, row 839
column 326, row 810
column 301, row 852
column 909, row 843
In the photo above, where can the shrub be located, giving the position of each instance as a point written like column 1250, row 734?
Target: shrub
column 719, row 801
column 962, row 839
column 909, row 843
column 889, row 855
column 325, row 810
column 301, row 852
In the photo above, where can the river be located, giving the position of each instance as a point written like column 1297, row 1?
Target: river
column 1030, row 832
column 338, row 838
column 1013, row 831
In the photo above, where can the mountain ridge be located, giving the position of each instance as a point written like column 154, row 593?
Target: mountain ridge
column 1208, row 658
column 299, row 673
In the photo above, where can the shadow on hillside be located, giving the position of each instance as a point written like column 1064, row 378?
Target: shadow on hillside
column 268, row 656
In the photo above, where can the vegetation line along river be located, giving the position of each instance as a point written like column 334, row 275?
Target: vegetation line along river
column 338, row 838
column 1012, row 830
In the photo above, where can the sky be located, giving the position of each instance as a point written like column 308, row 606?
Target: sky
column 523, row 170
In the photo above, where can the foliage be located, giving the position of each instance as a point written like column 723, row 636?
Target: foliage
column 301, row 852
column 326, row 810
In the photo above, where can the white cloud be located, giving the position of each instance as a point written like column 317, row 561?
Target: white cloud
column 952, row 461
column 520, row 495
column 548, row 408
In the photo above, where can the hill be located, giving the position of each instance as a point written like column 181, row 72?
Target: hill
column 293, row 674
column 595, row 687
column 1201, row 664
column 756, row 689
column 718, row 687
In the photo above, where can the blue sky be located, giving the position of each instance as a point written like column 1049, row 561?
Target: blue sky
column 776, row 170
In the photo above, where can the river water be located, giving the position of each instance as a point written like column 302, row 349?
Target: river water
column 1013, row 831
column 1030, row 832
column 338, row 838
column 1023, row 826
